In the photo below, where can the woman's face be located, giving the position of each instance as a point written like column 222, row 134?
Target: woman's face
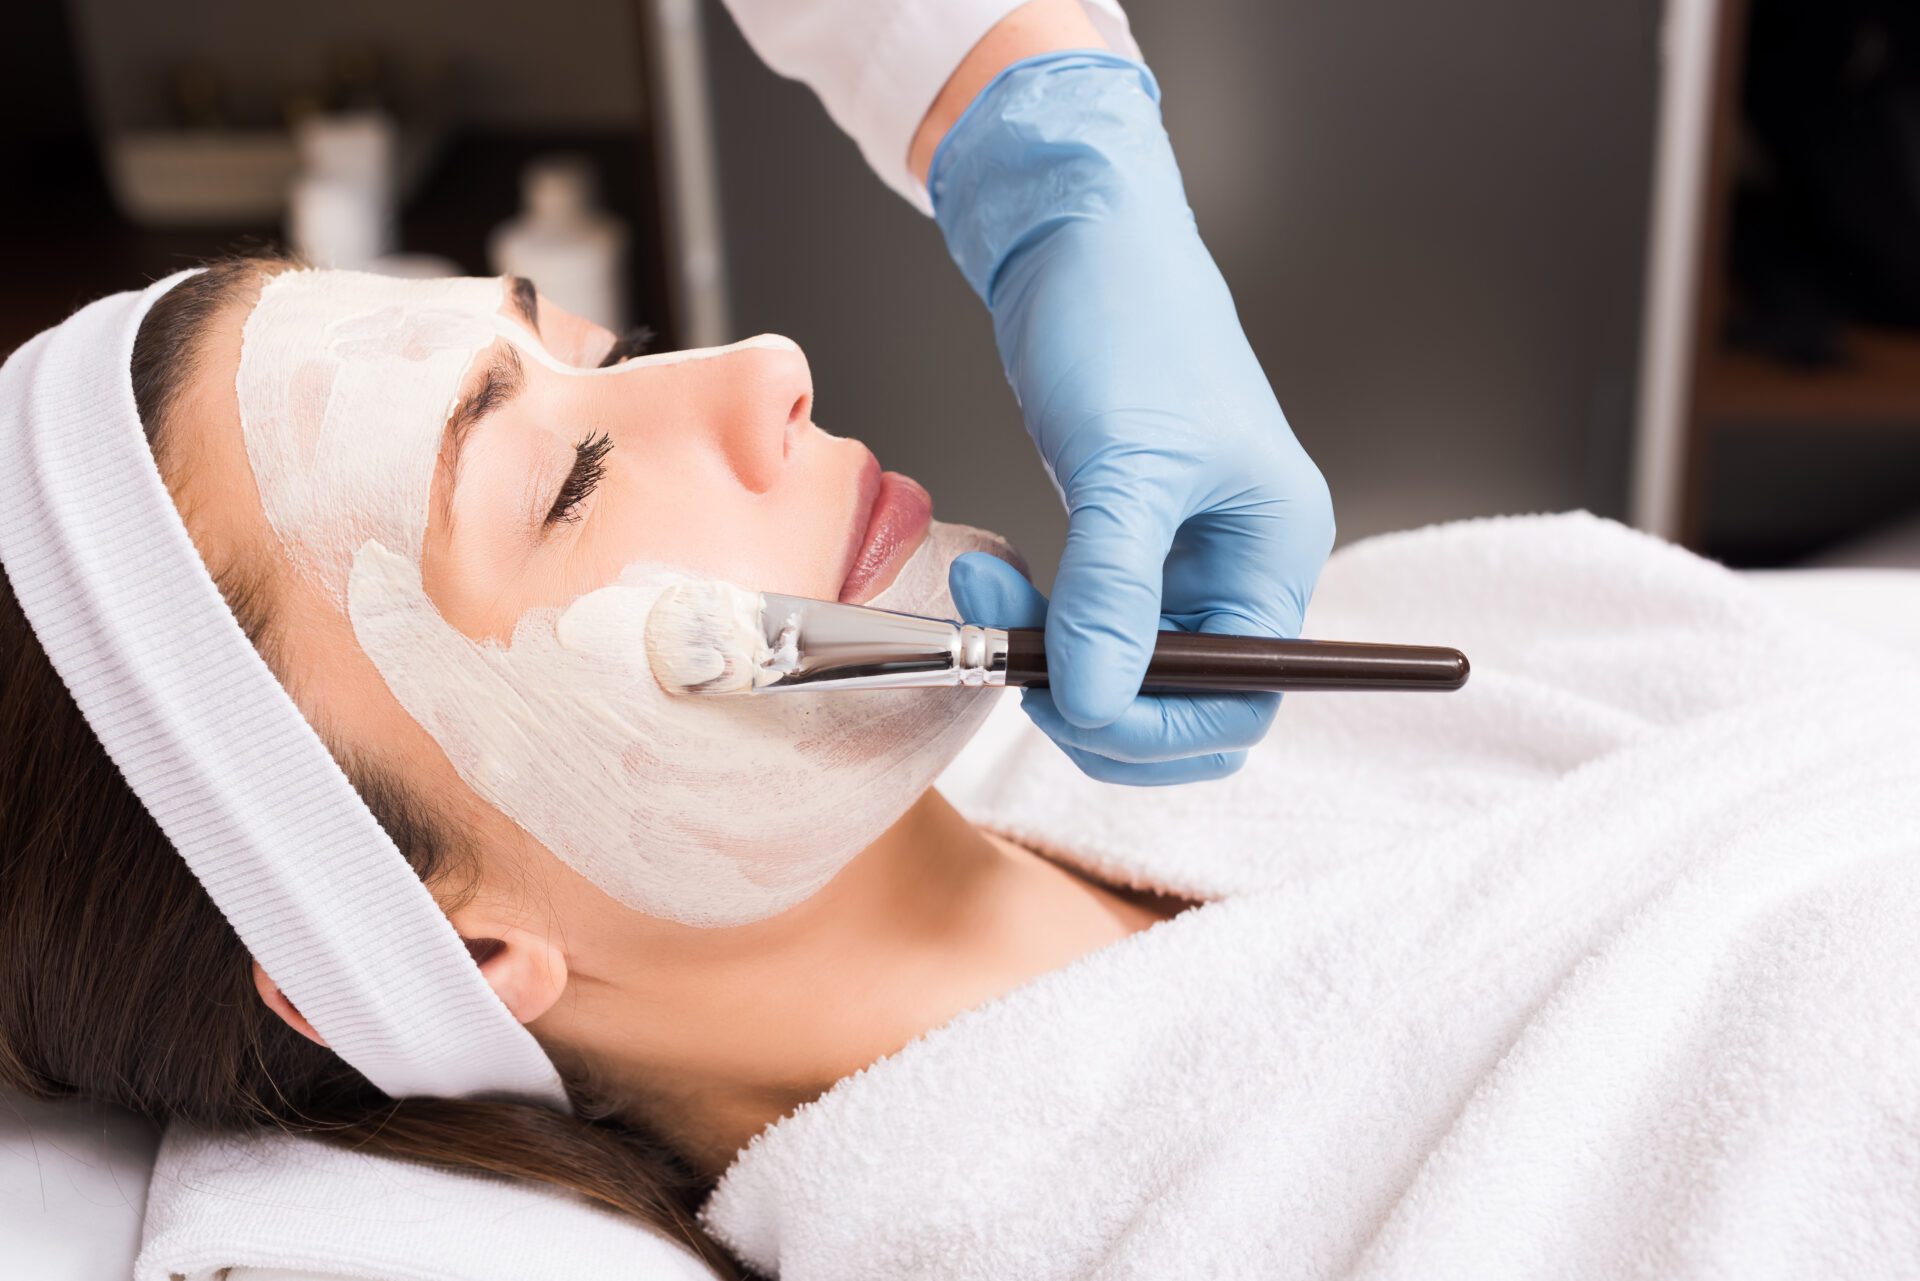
column 472, row 494
column 548, row 484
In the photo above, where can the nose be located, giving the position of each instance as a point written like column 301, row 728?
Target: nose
column 753, row 400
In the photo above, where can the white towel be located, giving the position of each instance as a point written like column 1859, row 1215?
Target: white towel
column 1603, row 967
column 280, row 1202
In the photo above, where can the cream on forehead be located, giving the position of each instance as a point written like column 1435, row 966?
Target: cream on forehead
column 346, row 383
column 705, row 811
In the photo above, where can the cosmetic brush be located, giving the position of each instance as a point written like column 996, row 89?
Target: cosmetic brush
column 713, row 638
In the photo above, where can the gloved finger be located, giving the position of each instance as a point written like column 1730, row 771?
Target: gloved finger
column 1106, row 605
column 1188, row 769
column 988, row 592
column 1245, row 573
column 1163, row 727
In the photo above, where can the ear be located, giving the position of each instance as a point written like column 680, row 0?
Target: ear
column 277, row 1002
column 525, row 970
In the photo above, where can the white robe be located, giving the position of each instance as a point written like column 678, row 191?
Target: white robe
column 1606, row 966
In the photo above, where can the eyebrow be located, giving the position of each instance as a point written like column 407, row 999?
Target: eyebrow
column 525, row 299
column 500, row 379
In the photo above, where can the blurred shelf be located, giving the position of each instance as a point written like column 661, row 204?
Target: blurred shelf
column 72, row 245
column 1746, row 458
column 1876, row 382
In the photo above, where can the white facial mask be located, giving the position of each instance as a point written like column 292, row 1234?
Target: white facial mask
column 711, row 812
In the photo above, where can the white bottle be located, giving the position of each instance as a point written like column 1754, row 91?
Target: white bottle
column 572, row 250
column 341, row 211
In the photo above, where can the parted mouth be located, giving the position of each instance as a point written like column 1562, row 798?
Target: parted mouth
column 891, row 515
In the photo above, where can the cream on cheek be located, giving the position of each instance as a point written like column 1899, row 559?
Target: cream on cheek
column 709, row 812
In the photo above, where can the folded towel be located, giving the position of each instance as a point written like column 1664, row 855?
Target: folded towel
column 281, row 1202
column 1601, row 967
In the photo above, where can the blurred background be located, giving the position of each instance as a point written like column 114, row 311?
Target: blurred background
column 1659, row 260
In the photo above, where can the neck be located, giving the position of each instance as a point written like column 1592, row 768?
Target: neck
column 714, row 1034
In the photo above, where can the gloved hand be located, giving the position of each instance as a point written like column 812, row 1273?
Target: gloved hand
column 1190, row 504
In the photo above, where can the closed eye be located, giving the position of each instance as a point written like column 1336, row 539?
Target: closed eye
column 589, row 466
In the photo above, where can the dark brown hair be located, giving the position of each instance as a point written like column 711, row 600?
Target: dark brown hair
column 121, row 981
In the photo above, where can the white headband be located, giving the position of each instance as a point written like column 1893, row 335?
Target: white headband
column 217, row 752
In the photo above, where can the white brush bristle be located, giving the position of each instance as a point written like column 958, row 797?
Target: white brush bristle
column 705, row 638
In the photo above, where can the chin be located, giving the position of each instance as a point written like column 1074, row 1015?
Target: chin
column 920, row 585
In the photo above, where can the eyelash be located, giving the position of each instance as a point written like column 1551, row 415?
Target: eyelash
column 589, row 466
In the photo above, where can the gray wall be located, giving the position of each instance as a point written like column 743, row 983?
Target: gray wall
column 1432, row 217
column 555, row 64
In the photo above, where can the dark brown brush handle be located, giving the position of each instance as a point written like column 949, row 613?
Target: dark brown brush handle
column 1203, row 661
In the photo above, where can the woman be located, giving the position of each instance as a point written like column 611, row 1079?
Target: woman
column 1605, row 943
column 712, row 465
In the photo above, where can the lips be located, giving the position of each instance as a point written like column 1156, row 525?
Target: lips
column 898, row 511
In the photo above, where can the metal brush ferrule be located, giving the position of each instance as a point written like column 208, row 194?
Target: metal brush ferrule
column 816, row 644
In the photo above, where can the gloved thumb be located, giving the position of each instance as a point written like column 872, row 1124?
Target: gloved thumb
column 991, row 593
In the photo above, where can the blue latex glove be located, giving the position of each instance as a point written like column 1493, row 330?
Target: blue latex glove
column 1190, row 504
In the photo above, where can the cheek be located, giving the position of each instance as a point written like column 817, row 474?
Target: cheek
column 692, row 513
column 708, row 812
